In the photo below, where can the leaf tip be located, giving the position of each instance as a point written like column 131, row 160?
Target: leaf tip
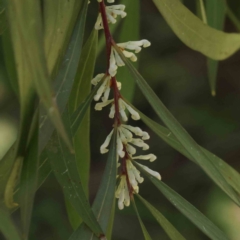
column 213, row 92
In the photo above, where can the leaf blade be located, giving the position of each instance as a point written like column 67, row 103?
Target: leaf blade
column 28, row 182
column 192, row 213
column 180, row 133
column 229, row 173
column 171, row 231
column 64, row 166
column 104, row 201
column 6, row 225
column 215, row 11
column 144, row 230
column 195, row 34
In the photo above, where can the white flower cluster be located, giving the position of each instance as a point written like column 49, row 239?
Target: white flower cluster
column 115, row 59
column 122, row 192
column 104, row 89
column 129, row 138
column 112, row 12
column 126, row 144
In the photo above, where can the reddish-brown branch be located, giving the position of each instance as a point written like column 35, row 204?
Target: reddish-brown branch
column 117, row 95
column 107, row 33
column 124, row 170
column 109, row 41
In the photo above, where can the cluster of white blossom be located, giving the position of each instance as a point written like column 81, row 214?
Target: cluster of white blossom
column 128, row 137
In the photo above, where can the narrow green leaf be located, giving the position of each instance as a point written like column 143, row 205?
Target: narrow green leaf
column 65, row 78
column 9, row 60
column 180, row 133
column 59, row 17
column 26, row 91
column 111, row 221
column 129, row 31
column 62, row 83
column 65, row 169
column 104, row 201
column 12, row 182
column 203, row 11
column 24, row 17
column 215, row 10
column 229, row 173
column 7, row 227
column 80, row 112
column 235, row 20
column 6, row 164
column 144, row 230
column 81, row 89
column 193, row 214
column 171, row 231
column 195, row 34
column 28, row 182
column 2, row 17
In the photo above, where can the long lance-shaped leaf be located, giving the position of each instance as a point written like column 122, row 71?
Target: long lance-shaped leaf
column 193, row 214
column 81, row 89
column 62, row 83
column 7, row 227
column 65, row 78
column 144, row 230
column 58, row 22
column 28, row 181
column 215, row 10
column 25, row 21
column 195, row 34
column 180, row 133
column 229, row 173
column 65, row 169
column 80, row 112
column 171, row 231
column 104, row 201
column 24, row 75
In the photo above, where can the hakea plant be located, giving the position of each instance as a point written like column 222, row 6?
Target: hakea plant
column 128, row 137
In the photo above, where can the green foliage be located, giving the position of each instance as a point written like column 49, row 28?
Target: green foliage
column 195, row 34
column 216, row 11
column 203, row 223
column 50, row 74
column 180, row 133
column 103, row 206
column 166, row 225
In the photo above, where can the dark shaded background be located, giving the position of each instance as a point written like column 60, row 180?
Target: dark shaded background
column 179, row 77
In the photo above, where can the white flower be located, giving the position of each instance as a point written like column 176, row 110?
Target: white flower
column 122, row 106
column 139, row 143
column 100, row 105
column 112, row 12
column 115, row 59
column 103, row 148
column 122, row 193
column 151, row 157
column 150, row 171
column 104, row 89
column 134, row 45
column 134, row 176
column 97, row 79
column 137, row 131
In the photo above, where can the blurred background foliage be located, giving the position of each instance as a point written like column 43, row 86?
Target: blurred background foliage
column 178, row 75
